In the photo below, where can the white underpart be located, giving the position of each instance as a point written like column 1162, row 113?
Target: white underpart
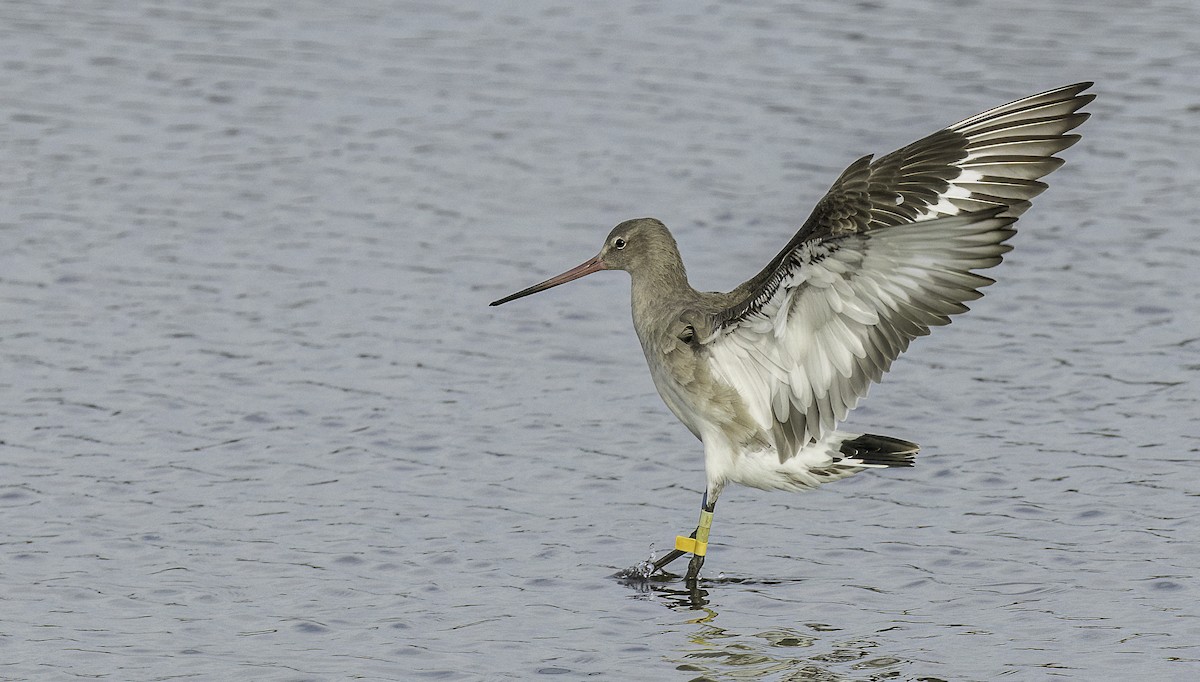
column 811, row 466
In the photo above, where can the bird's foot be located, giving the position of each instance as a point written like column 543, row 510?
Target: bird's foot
column 671, row 556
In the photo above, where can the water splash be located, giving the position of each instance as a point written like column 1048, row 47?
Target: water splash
column 641, row 570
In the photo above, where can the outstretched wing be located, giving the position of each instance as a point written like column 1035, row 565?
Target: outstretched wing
column 890, row 251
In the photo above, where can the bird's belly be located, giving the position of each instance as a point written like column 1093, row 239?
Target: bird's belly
column 708, row 407
column 761, row 467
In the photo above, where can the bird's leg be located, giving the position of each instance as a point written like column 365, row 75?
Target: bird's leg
column 699, row 544
column 696, row 543
column 668, row 558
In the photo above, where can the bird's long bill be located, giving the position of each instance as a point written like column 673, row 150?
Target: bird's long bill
column 585, row 268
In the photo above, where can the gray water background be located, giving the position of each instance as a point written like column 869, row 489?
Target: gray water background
column 258, row 422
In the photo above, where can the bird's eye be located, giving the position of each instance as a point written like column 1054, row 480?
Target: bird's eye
column 619, row 243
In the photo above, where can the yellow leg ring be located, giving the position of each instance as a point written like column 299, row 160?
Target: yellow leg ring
column 699, row 544
column 690, row 545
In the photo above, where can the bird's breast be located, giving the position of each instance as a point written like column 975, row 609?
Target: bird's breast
column 704, row 404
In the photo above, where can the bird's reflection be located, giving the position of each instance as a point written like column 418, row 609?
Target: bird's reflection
column 678, row 592
column 793, row 651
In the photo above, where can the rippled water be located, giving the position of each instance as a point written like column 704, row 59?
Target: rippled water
column 258, row 422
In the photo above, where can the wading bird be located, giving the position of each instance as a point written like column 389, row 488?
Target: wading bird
column 763, row 374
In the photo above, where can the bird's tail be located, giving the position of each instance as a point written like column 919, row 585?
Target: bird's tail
column 880, row 451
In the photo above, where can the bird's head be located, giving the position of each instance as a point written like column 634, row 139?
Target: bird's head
column 639, row 245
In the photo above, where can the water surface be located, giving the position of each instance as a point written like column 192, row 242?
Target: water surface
column 259, row 423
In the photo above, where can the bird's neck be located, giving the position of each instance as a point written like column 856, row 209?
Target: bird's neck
column 660, row 287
